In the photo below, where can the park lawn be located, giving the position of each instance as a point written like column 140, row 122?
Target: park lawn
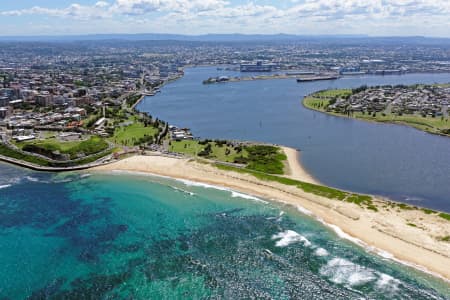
column 333, row 93
column 265, row 158
column 261, row 158
column 191, row 147
column 320, row 100
column 129, row 135
column 51, row 143
column 90, row 146
column 48, row 134
column 423, row 123
column 316, row 103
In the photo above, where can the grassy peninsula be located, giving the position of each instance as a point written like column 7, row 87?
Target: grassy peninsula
column 419, row 106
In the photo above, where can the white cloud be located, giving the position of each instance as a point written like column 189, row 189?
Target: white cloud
column 297, row 16
column 101, row 4
column 75, row 11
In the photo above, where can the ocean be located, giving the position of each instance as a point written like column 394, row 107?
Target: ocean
column 130, row 236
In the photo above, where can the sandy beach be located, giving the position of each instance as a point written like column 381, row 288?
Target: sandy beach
column 410, row 236
column 294, row 168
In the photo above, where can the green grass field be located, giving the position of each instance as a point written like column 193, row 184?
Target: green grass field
column 267, row 159
column 74, row 148
column 222, row 153
column 262, row 158
column 316, row 103
column 423, row 123
column 320, row 100
column 333, row 93
column 49, row 143
column 132, row 134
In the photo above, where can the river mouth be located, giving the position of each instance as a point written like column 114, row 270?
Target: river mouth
column 392, row 161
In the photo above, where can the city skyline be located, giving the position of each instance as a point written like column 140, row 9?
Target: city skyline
column 300, row 17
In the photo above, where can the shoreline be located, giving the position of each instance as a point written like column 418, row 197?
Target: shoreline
column 385, row 231
column 295, row 169
column 370, row 120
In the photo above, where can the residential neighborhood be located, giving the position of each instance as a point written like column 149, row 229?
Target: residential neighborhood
column 433, row 101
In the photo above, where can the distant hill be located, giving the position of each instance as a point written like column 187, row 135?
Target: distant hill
column 230, row 38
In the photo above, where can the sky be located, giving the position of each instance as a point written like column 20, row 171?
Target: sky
column 192, row 17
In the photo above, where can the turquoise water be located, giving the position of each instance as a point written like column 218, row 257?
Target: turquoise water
column 395, row 161
column 122, row 236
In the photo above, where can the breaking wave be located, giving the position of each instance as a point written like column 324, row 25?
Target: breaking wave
column 183, row 191
column 321, row 252
column 245, row 196
column 288, row 237
column 342, row 271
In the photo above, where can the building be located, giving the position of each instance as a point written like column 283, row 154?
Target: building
column 4, row 101
column 44, row 99
column 5, row 112
column 259, row 66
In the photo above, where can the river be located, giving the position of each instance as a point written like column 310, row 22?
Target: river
column 394, row 161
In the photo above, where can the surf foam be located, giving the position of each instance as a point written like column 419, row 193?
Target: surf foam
column 387, row 283
column 183, row 191
column 377, row 251
column 342, row 271
column 321, row 252
column 289, row 237
column 304, row 210
column 235, row 194
column 32, row 179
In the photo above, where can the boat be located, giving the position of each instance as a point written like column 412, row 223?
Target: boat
column 316, row 78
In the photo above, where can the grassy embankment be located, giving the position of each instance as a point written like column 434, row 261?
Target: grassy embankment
column 319, row 101
column 73, row 149
column 6, row 151
column 364, row 201
column 319, row 190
